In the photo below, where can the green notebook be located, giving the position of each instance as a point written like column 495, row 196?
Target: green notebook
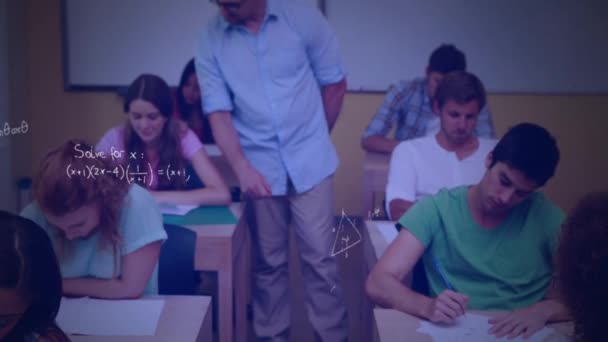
column 202, row 215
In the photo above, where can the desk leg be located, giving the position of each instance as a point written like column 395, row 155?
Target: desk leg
column 367, row 307
column 367, row 199
column 240, row 294
column 225, row 303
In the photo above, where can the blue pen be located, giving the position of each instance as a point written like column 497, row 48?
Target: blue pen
column 443, row 276
column 445, row 279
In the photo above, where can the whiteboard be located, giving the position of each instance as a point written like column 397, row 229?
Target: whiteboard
column 108, row 43
column 514, row 46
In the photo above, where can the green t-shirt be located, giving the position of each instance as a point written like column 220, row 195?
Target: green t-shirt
column 140, row 224
column 507, row 267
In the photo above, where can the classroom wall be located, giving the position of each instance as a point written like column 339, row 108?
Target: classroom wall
column 5, row 147
column 56, row 115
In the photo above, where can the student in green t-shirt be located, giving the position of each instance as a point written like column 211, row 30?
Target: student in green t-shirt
column 488, row 246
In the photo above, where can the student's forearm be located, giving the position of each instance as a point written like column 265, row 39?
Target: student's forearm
column 333, row 97
column 388, row 291
column 553, row 309
column 379, row 144
column 227, row 139
column 100, row 288
column 204, row 196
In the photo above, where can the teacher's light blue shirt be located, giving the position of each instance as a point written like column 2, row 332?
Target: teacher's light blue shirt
column 271, row 82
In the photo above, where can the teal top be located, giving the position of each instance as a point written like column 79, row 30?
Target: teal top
column 140, row 224
column 507, row 267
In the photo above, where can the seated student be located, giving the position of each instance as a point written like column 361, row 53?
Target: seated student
column 189, row 107
column 30, row 283
column 582, row 267
column 489, row 246
column 408, row 104
column 107, row 234
column 151, row 137
column 454, row 156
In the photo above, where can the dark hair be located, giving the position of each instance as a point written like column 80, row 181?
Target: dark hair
column 582, row 266
column 462, row 87
column 447, row 58
column 30, row 266
column 530, row 149
column 155, row 90
column 185, row 109
column 192, row 114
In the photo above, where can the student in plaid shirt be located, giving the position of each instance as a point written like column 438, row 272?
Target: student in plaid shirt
column 408, row 104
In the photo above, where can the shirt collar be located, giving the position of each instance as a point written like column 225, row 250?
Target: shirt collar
column 425, row 92
column 272, row 12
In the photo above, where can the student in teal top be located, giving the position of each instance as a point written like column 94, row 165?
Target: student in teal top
column 106, row 233
column 494, row 242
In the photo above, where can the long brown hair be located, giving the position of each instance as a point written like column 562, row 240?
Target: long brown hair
column 58, row 192
column 582, row 266
column 155, row 90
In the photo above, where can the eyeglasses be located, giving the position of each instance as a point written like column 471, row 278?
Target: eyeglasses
column 228, row 6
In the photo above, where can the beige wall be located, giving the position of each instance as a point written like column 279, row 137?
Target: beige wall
column 55, row 115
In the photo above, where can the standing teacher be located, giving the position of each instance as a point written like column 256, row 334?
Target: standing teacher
column 273, row 85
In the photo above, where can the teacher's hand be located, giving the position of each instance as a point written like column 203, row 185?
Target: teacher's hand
column 252, row 182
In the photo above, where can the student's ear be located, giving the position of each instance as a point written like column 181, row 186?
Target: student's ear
column 427, row 71
column 488, row 160
column 435, row 106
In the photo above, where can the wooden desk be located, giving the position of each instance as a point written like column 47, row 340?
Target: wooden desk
column 393, row 325
column 374, row 245
column 224, row 248
column 375, row 176
column 184, row 318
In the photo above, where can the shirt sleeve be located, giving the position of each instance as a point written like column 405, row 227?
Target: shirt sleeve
column 387, row 114
column 321, row 44
column 402, row 177
column 422, row 220
column 141, row 222
column 190, row 144
column 485, row 125
column 215, row 92
column 33, row 212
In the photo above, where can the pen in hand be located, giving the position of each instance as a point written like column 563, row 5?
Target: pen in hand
column 446, row 281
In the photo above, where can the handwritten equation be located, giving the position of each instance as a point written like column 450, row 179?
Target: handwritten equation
column 143, row 175
column 8, row 130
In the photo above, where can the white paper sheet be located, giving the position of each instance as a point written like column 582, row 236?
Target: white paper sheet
column 388, row 231
column 212, row 150
column 176, row 209
column 87, row 316
column 473, row 327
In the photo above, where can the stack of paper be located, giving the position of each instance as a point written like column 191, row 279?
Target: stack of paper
column 176, row 209
column 472, row 327
column 86, row 316
column 388, row 231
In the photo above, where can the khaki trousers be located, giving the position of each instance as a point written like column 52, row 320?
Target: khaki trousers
column 312, row 214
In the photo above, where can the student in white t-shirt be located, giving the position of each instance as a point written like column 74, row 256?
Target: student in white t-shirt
column 452, row 157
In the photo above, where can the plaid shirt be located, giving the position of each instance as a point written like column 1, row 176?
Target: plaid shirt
column 408, row 104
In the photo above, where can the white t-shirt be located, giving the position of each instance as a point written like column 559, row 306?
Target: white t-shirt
column 421, row 167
